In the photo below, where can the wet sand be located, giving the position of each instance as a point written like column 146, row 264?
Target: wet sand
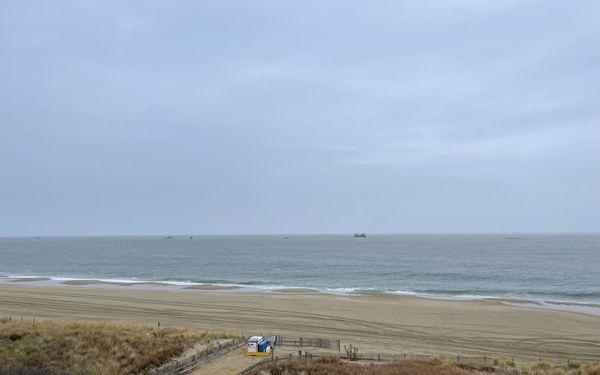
column 211, row 287
column 100, row 282
column 376, row 323
column 296, row 290
column 29, row 279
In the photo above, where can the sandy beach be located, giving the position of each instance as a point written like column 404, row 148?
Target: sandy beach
column 377, row 323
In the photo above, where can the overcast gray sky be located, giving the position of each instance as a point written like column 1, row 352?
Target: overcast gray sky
column 152, row 117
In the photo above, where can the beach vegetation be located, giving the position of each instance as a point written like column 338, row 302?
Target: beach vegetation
column 451, row 362
column 432, row 366
column 352, row 352
column 334, row 366
column 540, row 368
column 503, row 363
column 14, row 337
column 94, row 348
column 435, row 360
column 592, row 369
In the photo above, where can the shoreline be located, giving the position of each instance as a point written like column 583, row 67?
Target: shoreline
column 377, row 323
column 590, row 308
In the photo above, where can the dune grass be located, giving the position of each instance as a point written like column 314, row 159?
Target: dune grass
column 434, row 366
column 93, row 348
column 338, row 367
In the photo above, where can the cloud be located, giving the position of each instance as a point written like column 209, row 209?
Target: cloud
column 295, row 109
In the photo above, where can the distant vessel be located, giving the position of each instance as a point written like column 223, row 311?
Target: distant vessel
column 359, row 235
column 169, row 237
column 37, row 237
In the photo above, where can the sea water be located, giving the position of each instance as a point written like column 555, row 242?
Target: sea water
column 537, row 267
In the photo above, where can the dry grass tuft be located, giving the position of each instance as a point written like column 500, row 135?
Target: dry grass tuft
column 92, row 348
column 540, row 368
column 592, row 369
column 435, row 360
column 503, row 363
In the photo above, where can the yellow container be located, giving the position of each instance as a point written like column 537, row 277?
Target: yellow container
column 256, row 354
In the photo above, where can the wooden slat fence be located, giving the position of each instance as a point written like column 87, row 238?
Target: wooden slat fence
column 308, row 342
column 386, row 357
column 184, row 367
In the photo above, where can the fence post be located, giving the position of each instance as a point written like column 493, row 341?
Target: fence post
column 484, row 359
column 378, row 357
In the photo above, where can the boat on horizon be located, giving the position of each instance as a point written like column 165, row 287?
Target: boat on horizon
column 359, row 235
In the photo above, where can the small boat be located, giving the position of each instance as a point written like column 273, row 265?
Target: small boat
column 169, row 237
column 360, row 235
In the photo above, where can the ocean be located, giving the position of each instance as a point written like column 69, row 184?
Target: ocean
column 536, row 267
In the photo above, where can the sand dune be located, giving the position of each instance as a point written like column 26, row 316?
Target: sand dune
column 377, row 323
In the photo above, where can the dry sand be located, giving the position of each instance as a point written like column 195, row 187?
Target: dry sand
column 376, row 323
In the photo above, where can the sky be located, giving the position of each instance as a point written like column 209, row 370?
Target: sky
column 225, row 117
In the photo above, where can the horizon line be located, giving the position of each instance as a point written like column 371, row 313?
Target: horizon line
column 300, row 234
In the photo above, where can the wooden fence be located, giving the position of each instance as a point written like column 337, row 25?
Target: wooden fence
column 308, row 342
column 176, row 367
column 386, row 357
